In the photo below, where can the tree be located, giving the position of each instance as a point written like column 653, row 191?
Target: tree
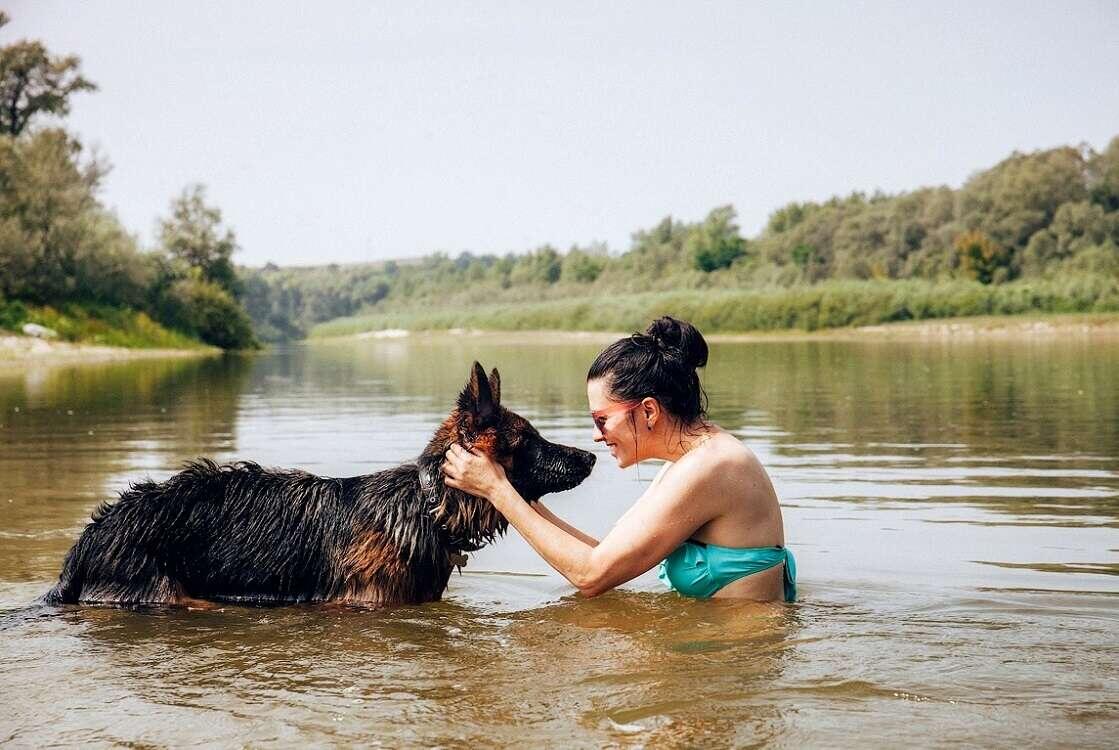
column 803, row 255
column 57, row 243
column 715, row 243
column 1104, row 177
column 1076, row 227
column 194, row 236
column 1021, row 194
column 33, row 82
column 582, row 267
column 654, row 251
column 981, row 258
column 542, row 266
column 787, row 217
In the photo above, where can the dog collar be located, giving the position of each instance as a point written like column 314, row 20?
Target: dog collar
column 428, row 489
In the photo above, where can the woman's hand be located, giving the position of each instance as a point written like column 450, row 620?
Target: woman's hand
column 473, row 472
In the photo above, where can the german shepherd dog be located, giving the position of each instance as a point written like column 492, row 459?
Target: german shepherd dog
column 241, row 533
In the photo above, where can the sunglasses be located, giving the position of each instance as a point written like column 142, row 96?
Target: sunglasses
column 602, row 415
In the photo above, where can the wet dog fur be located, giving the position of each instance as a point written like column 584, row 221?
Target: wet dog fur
column 242, row 533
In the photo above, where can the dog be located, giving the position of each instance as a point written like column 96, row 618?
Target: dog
column 241, row 533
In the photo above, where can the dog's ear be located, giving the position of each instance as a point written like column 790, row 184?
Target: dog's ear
column 495, row 385
column 477, row 400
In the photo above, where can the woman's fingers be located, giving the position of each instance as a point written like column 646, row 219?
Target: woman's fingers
column 458, row 462
column 453, row 465
column 448, row 466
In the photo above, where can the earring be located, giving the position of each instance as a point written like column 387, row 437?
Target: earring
column 649, row 425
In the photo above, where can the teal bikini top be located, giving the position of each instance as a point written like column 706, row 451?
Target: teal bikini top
column 699, row 570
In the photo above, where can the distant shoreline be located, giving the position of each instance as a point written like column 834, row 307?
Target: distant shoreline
column 19, row 351
column 1010, row 327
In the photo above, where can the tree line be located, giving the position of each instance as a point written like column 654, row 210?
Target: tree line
column 1047, row 216
column 60, row 247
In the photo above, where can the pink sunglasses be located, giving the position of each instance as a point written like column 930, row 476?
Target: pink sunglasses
column 602, row 415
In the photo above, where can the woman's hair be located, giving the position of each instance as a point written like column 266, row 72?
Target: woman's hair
column 660, row 363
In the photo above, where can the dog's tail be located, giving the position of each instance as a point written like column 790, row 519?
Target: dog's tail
column 57, row 595
column 68, row 590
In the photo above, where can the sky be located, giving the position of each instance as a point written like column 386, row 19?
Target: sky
column 356, row 131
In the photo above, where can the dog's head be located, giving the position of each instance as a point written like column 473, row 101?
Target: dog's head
column 533, row 465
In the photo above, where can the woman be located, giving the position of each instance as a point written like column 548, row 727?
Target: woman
column 711, row 514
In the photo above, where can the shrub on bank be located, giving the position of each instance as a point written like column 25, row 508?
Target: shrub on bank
column 13, row 314
column 208, row 311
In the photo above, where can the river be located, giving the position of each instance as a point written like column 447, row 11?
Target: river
column 953, row 505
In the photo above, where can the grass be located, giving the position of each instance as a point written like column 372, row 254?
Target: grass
column 835, row 304
column 97, row 324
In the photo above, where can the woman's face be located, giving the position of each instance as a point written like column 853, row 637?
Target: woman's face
column 612, row 422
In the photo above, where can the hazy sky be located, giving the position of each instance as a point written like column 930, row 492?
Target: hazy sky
column 334, row 131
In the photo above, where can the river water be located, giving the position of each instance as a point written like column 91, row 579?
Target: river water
column 953, row 507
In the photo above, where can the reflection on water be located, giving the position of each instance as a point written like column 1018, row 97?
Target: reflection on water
column 67, row 432
column 953, row 508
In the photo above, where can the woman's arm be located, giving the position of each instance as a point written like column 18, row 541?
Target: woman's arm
column 564, row 551
column 553, row 518
column 660, row 522
column 582, row 536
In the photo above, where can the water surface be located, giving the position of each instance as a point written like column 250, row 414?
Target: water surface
column 953, row 507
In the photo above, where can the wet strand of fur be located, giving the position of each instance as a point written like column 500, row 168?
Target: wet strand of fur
column 466, row 522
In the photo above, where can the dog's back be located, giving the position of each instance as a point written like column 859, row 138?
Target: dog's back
column 243, row 533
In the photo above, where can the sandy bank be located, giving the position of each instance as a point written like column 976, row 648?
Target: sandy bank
column 17, row 351
column 1104, row 325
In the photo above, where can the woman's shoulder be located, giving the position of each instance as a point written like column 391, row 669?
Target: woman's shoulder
column 718, row 455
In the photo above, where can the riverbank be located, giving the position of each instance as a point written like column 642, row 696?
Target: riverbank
column 1082, row 325
column 1105, row 325
column 20, row 351
column 87, row 333
column 98, row 325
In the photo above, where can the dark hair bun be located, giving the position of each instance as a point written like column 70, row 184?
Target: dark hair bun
column 661, row 363
column 679, row 338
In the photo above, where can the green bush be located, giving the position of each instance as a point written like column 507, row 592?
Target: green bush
column 12, row 314
column 206, row 310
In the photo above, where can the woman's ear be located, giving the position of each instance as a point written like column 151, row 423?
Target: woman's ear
column 650, row 411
